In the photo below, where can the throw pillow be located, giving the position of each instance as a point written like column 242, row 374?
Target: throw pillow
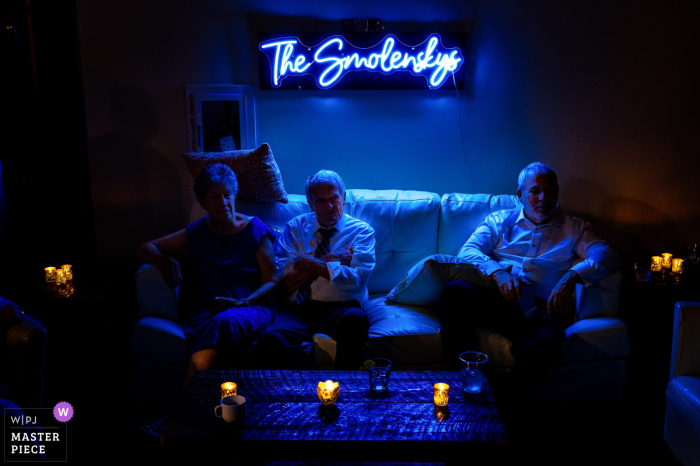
column 423, row 284
column 259, row 177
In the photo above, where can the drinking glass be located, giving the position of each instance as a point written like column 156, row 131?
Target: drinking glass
column 379, row 375
column 643, row 271
column 472, row 371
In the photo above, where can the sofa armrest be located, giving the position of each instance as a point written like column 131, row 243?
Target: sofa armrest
column 26, row 344
column 685, row 352
column 155, row 298
column 601, row 299
column 595, row 339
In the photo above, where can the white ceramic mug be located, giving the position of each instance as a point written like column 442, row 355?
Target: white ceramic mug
column 231, row 409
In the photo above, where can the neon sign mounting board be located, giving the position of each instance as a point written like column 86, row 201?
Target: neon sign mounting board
column 335, row 59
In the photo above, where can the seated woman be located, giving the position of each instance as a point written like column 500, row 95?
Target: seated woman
column 234, row 267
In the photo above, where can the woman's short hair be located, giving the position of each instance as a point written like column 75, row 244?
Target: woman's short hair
column 213, row 174
column 324, row 177
column 532, row 170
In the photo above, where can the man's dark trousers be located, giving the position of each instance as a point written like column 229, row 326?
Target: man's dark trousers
column 537, row 342
column 344, row 321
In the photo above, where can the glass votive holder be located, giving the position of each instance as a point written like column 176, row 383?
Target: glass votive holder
column 441, row 394
column 692, row 254
column 50, row 273
column 677, row 266
column 643, row 271
column 68, row 271
column 60, row 277
column 666, row 262
column 328, row 392
column 656, row 263
column 228, row 389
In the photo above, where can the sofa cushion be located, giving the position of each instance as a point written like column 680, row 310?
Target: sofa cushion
column 274, row 214
column 160, row 341
column 460, row 214
column 405, row 335
column 423, row 284
column 259, row 177
column 405, row 226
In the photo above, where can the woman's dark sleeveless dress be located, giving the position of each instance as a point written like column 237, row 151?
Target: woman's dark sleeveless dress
column 226, row 266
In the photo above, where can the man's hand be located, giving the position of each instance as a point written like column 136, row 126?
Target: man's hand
column 306, row 263
column 293, row 280
column 510, row 286
column 170, row 271
column 342, row 255
column 558, row 302
column 316, row 267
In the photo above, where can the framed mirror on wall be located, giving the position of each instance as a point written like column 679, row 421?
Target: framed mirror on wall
column 220, row 118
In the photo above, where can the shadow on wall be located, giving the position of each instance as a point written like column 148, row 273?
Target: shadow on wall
column 630, row 225
column 135, row 188
column 642, row 227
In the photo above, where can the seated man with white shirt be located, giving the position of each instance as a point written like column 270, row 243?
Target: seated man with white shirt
column 324, row 259
column 537, row 246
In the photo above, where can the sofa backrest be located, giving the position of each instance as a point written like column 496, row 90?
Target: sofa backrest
column 274, row 214
column 409, row 225
column 460, row 214
column 405, row 225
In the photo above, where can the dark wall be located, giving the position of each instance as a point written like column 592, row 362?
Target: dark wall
column 605, row 92
column 44, row 153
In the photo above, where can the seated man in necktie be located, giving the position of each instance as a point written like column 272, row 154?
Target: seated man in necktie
column 324, row 259
column 535, row 250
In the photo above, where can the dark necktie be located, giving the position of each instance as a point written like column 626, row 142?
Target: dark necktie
column 321, row 250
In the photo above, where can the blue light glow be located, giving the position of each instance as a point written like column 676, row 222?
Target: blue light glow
column 331, row 61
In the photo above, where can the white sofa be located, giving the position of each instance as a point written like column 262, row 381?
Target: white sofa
column 682, row 424
column 409, row 225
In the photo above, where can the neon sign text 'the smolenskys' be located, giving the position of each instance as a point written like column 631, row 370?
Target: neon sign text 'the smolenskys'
column 329, row 60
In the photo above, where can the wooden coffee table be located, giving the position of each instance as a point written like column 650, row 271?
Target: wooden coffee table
column 286, row 421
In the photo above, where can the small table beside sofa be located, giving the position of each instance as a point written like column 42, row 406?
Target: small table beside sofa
column 417, row 236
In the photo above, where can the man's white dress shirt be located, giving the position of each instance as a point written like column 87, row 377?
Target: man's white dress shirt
column 301, row 236
column 539, row 254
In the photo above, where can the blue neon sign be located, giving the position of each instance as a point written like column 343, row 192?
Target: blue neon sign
column 333, row 57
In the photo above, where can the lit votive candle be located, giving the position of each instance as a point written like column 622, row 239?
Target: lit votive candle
column 328, row 392
column 60, row 277
column 228, row 389
column 656, row 263
column 666, row 263
column 68, row 271
column 441, row 394
column 677, row 266
column 50, row 273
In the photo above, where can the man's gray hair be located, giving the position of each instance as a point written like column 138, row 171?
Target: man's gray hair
column 532, row 170
column 212, row 174
column 324, row 177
